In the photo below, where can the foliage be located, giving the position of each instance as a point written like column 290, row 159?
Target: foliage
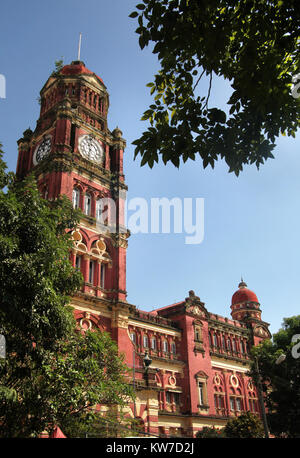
column 247, row 425
column 52, row 374
column 253, row 45
column 59, row 65
column 210, row 433
column 281, row 382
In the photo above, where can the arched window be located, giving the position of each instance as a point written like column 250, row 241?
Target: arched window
column 76, row 198
column 87, row 203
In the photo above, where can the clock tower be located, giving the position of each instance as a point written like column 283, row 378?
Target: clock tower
column 72, row 152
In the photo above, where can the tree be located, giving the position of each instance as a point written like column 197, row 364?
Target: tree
column 281, row 380
column 253, row 45
column 247, row 425
column 52, row 374
column 210, row 433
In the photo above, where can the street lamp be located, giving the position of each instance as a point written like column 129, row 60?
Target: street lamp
column 147, row 361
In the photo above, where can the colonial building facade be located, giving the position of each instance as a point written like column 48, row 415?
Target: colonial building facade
column 199, row 360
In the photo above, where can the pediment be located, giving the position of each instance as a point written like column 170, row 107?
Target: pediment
column 194, row 306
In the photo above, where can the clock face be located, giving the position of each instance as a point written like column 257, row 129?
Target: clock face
column 90, row 148
column 42, row 150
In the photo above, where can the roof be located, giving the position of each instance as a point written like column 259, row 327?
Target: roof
column 243, row 294
column 77, row 67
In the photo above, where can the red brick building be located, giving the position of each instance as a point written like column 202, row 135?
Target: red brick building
column 198, row 374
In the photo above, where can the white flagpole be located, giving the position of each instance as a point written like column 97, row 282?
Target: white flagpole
column 79, row 47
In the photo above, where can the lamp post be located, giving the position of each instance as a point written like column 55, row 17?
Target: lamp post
column 133, row 374
column 147, row 361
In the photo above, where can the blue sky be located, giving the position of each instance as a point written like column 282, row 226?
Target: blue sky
column 251, row 222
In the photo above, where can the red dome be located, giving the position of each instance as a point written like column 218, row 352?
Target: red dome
column 77, row 67
column 243, row 294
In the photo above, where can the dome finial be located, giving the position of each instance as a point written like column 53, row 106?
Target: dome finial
column 242, row 284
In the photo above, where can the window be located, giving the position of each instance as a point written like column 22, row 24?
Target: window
column 173, row 348
column 201, row 393
column 72, row 136
column 153, row 343
column 78, row 262
column 165, row 346
column 145, row 341
column 229, row 344
column 87, row 204
column 233, row 345
column 197, row 333
column 75, row 198
column 168, row 397
column 238, row 403
column 223, row 343
column 98, row 210
column 242, row 347
column 102, row 275
column 91, row 272
column 133, row 337
column 176, row 397
column 215, row 340
column 232, row 403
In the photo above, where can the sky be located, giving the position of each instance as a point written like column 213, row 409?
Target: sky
column 251, row 222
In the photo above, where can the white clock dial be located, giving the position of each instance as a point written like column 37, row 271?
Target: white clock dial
column 42, row 150
column 90, row 148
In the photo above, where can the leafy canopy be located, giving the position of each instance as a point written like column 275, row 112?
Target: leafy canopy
column 52, row 373
column 247, row 425
column 281, row 380
column 254, row 45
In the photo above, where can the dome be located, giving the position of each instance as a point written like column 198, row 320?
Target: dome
column 243, row 294
column 77, row 67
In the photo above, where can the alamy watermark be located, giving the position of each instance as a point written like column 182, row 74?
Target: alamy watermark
column 157, row 216
column 2, row 87
column 296, row 348
column 296, row 86
column 2, row 346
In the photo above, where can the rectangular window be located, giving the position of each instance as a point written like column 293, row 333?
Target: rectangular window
column 76, row 196
column 91, row 272
column 232, row 403
column 72, row 137
column 176, row 397
column 87, row 204
column 78, row 262
column 238, row 404
column 201, row 398
column 168, row 397
column 102, row 276
column 153, row 343
column 133, row 337
column 145, row 341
